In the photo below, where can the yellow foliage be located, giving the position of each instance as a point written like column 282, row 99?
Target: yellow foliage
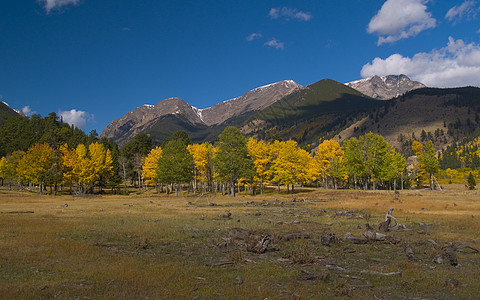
column 417, row 147
column 86, row 166
column 150, row 165
column 261, row 156
column 34, row 165
column 329, row 156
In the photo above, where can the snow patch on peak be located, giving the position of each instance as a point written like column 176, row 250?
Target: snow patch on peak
column 198, row 112
column 5, row 103
column 358, row 81
column 148, row 106
column 285, row 83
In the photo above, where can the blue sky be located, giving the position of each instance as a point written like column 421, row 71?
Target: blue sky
column 92, row 61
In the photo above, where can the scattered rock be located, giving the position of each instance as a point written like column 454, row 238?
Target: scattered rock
column 350, row 213
column 226, row 216
column 446, row 256
column 239, row 279
column 306, row 275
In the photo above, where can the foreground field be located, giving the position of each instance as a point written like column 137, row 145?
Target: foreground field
column 147, row 246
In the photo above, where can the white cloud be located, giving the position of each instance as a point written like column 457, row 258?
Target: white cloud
column 26, row 110
column 400, row 19
column 254, row 36
column 75, row 117
column 49, row 5
column 288, row 13
column 467, row 8
column 457, row 64
column 274, row 43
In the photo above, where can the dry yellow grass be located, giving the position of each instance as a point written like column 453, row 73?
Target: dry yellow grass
column 146, row 246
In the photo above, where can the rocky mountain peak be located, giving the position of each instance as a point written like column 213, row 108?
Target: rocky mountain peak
column 385, row 87
column 146, row 116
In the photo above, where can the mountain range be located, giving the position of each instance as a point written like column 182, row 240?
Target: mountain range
column 150, row 118
column 285, row 109
column 325, row 109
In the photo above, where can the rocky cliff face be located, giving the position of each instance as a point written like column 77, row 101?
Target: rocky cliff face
column 385, row 87
column 144, row 117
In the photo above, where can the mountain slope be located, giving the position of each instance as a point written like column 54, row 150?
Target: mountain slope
column 386, row 87
column 445, row 115
column 253, row 100
column 6, row 112
column 319, row 110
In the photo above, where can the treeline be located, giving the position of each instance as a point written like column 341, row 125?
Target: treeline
column 233, row 164
column 21, row 133
column 236, row 164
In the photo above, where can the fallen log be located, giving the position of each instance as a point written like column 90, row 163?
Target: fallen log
column 18, row 212
column 387, row 226
column 260, row 246
column 219, row 263
column 354, row 239
column 294, row 236
column 409, row 251
column 380, row 273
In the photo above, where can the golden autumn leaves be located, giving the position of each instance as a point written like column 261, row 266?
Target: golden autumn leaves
column 234, row 161
column 42, row 165
column 368, row 161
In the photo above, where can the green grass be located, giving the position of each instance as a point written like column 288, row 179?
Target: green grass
column 149, row 246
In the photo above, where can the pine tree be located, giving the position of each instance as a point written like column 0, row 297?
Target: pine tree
column 232, row 160
column 176, row 164
column 471, row 183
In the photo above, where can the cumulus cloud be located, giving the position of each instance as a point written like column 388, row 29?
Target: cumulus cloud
column 50, row 5
column 26, row 110
column 75, row 117
column 457, row 64
column 254, row 36
column 467, row 9
column 400, row 19
column 274, row 43
column 287, row 13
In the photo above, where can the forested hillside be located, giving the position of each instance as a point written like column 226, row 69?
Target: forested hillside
column 5, row 113
column 20, row 133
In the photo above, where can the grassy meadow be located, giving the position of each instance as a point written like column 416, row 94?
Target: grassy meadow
column 147, row 246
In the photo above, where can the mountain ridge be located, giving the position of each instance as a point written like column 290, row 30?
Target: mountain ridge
column 283, row 108
column 144, row 117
